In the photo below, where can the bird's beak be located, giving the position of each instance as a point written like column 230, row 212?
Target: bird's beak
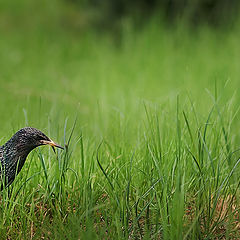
column 51, row 143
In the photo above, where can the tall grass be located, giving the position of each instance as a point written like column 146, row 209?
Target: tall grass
column 149, row 124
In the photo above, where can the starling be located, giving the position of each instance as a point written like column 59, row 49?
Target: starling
column 14, row 152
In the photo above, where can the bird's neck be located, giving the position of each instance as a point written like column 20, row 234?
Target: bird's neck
column 15, row 154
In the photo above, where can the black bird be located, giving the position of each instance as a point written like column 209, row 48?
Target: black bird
column 14, row 152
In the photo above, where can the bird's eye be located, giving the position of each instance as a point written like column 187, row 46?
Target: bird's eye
column 39, row 138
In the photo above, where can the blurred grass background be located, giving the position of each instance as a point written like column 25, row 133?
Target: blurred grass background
column 110, row 64
column 50, row 51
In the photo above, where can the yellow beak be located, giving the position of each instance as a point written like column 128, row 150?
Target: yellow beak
column 51, row 143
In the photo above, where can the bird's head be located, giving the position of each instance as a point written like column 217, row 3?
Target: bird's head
column 14, row 152
column 30, row 138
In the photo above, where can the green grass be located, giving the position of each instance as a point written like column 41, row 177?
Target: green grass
column 150, row 122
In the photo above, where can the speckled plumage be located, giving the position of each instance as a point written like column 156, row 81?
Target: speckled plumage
column 15, row 151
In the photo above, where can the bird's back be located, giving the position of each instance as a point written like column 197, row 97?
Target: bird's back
column 1, row 156
column 1, row 165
